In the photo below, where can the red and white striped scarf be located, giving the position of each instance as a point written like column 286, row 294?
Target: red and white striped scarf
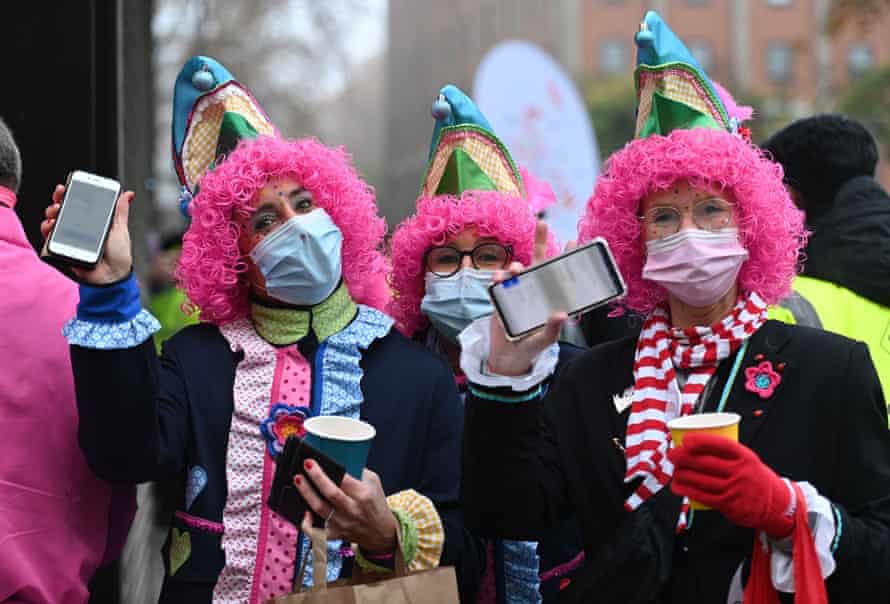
column 657, row 396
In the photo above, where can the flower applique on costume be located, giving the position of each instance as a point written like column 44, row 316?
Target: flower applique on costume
column 283, row 422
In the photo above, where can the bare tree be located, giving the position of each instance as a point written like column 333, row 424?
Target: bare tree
column 288, row 52
column 855, row 11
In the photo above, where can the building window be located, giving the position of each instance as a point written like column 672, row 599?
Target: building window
column 779, row 3
column 703, row 52
column 779, row 61
column 613, row 56
column 860, row 59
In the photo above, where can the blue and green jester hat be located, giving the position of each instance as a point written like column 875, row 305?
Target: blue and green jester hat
column 673, row 91
column 465, row 154
column 212, row 112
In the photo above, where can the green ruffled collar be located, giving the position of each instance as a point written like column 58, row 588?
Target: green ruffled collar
column 281, row 326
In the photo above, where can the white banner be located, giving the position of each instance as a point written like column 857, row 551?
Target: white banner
column 536, row 110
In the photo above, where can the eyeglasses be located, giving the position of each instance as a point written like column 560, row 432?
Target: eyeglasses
column 708, row 214
column 445, row 260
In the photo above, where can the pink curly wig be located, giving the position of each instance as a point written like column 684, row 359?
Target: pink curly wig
column 742, row 113
column 211, row 268
column 437, row 219
column 771, row 228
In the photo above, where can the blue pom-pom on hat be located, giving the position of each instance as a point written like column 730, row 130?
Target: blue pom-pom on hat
column 185, row 198
column 441, row 110
column 203, row 79
column 644, row 37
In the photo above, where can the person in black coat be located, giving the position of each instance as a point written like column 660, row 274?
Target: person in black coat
column 283, row 260
column 829, row 163
column 705, row 236
column 444, row 257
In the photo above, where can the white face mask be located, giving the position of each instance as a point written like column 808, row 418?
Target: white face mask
column 452, row 303
column 300, row 260
column 698, row 267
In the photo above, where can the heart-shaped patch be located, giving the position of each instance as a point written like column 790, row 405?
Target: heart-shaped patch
column 180, row 549
column 197, row 480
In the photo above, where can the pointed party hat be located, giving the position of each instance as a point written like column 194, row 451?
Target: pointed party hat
column 211, row 113
column 673, row 91
column 465, row 154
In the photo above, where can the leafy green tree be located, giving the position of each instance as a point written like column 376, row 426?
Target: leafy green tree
column 612, row 106
column 867, row 100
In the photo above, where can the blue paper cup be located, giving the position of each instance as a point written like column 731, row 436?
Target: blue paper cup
column 343, row 439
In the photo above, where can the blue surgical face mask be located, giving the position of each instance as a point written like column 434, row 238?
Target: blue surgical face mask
column 452, row 303
column 301, row 259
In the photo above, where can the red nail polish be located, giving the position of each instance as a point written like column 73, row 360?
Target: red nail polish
column 308, row 464
column 298, row 480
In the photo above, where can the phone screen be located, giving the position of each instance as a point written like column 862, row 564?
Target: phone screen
column 85, row 213
column 574, row 282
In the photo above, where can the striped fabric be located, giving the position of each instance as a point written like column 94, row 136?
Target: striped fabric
column 430, row 532
column 657, row 396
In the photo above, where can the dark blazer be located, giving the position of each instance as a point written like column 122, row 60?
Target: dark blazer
column 144, row 418
column 535, row 463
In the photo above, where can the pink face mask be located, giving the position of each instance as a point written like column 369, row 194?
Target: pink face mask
column 698, row 267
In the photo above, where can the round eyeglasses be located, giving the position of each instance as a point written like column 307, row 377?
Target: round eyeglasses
column 708, row 214
column 445, row 260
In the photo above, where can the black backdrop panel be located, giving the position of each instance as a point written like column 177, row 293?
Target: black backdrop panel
column 59, row 94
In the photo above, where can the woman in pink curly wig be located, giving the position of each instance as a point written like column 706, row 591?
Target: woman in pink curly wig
column 444, row 257
column 706, row 236
column 283, row 261
column 440, row 221
column 215, row 269
column 717, row 163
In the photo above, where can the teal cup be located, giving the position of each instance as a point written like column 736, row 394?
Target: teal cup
column 345, row 440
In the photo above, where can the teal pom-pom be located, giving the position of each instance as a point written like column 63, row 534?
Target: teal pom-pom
column 203, row 80
column 645, row 38
column 441, row 110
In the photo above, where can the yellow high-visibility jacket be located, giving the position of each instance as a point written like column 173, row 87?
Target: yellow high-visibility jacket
column 829, row 306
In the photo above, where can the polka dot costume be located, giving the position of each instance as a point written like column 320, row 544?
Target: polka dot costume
column 277, row 553
column 245, row 460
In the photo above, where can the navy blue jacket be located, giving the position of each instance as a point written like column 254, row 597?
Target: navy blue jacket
column 143, row 418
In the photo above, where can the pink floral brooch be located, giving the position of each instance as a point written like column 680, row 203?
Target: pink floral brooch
column 283, row 422
column 762, row 379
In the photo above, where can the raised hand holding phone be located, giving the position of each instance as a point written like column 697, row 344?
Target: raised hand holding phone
column 531, row 305
column 512, row 358
column 116, row 261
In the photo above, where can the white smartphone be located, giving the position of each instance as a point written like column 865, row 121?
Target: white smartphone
column 575, row 282
column 84, row 219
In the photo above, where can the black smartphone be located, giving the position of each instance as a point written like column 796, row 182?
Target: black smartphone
column 284, row 498
column 574, row 282
column 84, row 220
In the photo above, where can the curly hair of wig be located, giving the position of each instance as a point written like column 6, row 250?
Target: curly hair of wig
column 506, row 218
column 771, row 228
column 211, row 267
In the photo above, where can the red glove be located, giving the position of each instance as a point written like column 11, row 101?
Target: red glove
column 729, row 477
